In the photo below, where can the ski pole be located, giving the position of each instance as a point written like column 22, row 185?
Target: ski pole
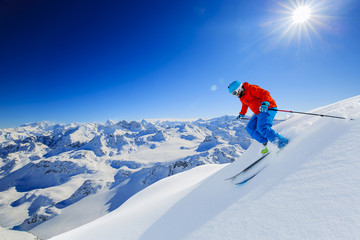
column 247, row 118
column 313, row 114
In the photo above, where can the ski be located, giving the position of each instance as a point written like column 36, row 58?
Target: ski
column 246, row 169
column 249, row 178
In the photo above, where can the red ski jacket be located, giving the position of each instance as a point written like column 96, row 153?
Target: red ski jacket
column 252, row 98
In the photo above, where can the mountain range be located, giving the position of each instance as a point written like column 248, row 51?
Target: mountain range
column 47, row 167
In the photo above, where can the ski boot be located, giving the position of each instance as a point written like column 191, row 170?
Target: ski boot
column 282, row 142
column 265, row 150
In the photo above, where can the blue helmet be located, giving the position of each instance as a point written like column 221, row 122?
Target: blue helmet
column 234, row 86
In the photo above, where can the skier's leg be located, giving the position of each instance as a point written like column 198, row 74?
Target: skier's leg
column 251, row 129
column 264, row 127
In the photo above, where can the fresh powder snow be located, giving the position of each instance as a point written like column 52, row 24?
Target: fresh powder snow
column 6, row 234
column 309, row 190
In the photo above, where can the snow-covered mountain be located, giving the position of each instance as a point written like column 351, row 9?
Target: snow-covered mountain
column 47, row 169
column 309, row 190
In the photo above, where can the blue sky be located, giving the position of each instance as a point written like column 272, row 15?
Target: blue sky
column 89, row 61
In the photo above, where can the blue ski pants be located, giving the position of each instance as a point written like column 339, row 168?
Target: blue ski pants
column 259, row 128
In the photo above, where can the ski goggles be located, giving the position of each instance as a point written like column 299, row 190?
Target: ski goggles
column 236, row 92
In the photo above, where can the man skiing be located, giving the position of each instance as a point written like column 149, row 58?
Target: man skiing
column 264, row 108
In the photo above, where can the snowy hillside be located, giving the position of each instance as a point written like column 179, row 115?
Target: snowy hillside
column 310, row 190
column 6, row 234
column 73, row 174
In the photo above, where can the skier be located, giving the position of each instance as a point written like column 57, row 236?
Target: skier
column 262, row 104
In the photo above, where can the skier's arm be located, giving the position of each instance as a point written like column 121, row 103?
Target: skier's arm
column 263, row 95
column 244, row 109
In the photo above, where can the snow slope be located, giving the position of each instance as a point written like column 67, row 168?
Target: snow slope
column 6, row 234
column 307, row 191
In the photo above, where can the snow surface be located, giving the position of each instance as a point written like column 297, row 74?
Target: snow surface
column 6, row 234
column 309, row 190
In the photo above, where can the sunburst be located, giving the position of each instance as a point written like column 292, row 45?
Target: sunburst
column 296, row 21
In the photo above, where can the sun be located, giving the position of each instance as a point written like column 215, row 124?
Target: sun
column 301, row 14
column 296, row 23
